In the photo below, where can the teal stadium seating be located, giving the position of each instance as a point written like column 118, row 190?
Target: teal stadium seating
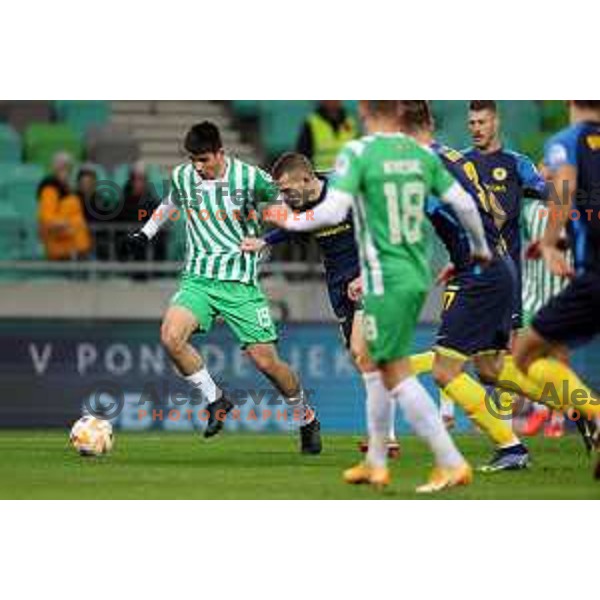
column 246, row 109
column 18, row 192
column 10, row 144
column 82, row 114
column 280, row 123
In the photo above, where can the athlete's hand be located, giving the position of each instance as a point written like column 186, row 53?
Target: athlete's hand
column 556, row 261
column 482, row 256
column 135, row 242
column 446, row 274
column 252, row 244
column 355, row 289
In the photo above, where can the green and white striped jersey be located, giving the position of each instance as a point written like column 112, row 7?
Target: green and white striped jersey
column 218, row 215
column 539, row 284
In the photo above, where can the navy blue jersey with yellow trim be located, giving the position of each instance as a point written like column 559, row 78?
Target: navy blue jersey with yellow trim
column 511, row 177
column 446, row 223
column 579, row 147
column 337, row 244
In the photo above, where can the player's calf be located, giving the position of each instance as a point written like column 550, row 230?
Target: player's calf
column 267, row 361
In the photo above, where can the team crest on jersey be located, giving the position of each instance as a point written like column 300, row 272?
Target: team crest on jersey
column 499, row 174
column 593, row 141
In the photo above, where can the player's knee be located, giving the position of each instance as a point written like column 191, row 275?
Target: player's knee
column 524, row 353
column 265, row 359
column 488, row 374
column 442, row 374
column 521, row 359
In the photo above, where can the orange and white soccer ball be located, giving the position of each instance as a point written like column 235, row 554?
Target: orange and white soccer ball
column 91, row 436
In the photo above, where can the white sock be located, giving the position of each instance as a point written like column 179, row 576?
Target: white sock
column 379, row 413
column 205, row 383
column 446, row 407
column 421, row 413
column 392, row 429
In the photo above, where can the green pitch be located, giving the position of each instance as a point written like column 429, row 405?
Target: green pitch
column 39, row 464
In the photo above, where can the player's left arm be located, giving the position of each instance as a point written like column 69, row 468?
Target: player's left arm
column 532, row 181
column 452, row 193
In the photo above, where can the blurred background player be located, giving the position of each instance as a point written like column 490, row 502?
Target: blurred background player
column 510, row 176
column 220, row 279
column 303, row 189
column 325, row 132
column 539, row 286
column 477, row 306
column 572, row 158
column 386, row 177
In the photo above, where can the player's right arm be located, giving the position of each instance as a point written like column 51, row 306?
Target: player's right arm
column 452, row 193
column 162, row 214
column 561, row 160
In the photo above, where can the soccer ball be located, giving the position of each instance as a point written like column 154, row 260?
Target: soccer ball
column 91, row 436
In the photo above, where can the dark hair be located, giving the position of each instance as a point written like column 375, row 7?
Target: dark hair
column 589, row 104
column 483, row 105
column 203, row 137
column 291, row 161
column 382, row 108
column 415, row 114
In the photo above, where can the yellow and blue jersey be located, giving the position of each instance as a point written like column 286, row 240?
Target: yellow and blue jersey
column 446, row 223
column 579, row 146
column 510, row 177
column 337, row 244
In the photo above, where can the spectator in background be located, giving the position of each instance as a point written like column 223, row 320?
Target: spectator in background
column 325, row 132
column 139, row 194
column 63, row 228
column 87, row 184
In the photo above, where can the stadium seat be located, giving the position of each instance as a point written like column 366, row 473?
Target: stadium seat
column 280, row 123
column 520, row 118
column 82, row 114
column 10, row 233
column 110, row 146
column 43, row 140
column 10, row 145
column 351, row 107
column 449, row 113
column 246, row 109
column 21, row 113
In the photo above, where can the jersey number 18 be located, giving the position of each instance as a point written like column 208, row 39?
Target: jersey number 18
column 405, row 221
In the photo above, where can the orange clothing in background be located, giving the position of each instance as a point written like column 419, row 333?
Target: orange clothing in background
column 63, row 228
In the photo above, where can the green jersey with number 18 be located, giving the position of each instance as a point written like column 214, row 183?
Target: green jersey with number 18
column 389, row 177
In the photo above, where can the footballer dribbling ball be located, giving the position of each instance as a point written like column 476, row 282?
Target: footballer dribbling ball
column 91, row 436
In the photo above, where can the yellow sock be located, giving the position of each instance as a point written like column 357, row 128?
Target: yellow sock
column 511, row 374
column 471, row 397
column 576, row 395
column 422, row 363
